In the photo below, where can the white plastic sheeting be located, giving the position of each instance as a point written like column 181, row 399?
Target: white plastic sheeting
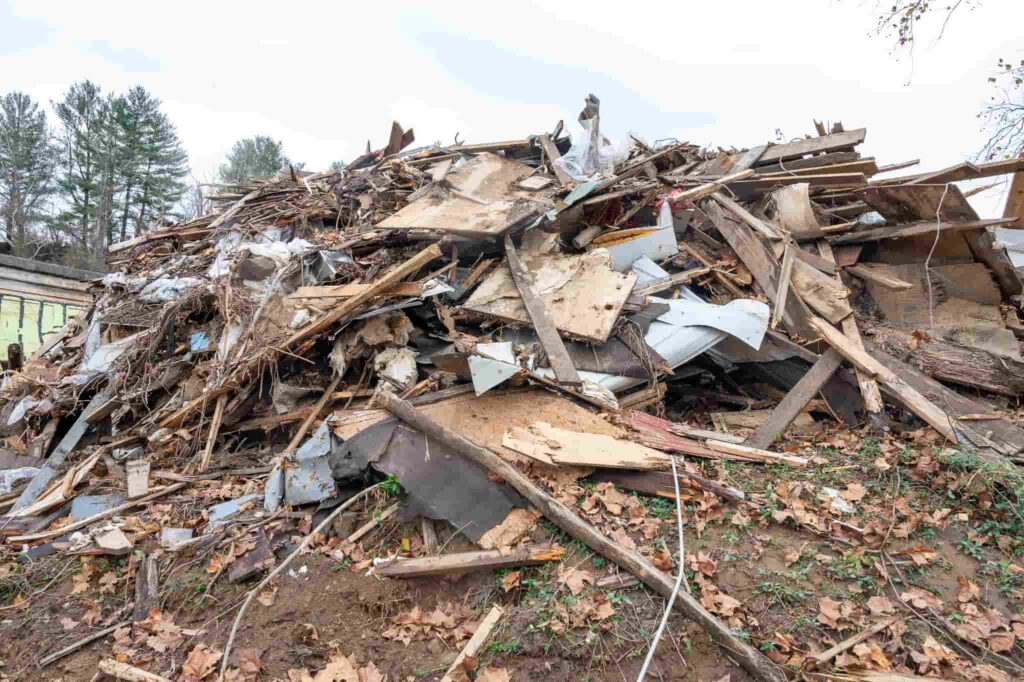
column 690, row 328
column 167, row 288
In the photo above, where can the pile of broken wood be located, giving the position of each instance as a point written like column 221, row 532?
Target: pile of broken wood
column 528, row 306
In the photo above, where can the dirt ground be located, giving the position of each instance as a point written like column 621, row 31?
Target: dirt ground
column 897, row 529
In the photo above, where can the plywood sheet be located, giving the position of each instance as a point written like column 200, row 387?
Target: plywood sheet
column 582, row 294
column 480, row 198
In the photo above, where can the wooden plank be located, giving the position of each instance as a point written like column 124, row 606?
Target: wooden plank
column 759, row 260
column 816, row 261
column 490, row 146
column 813, row 145
column 869, row 390
column 784, row 278
column 354, row 289
column 383, row 283
column 670, row 282
column 475, row 643
column 914, row 401
column 793, row 212
column 737, row 209
column 764, row 184
column 927, row 227
column 792, row 405
column 958, row 172
column 866, row 166
column 1015, row 198
column 822, row 293
column 211, row 439
column 551, row 151
column 710, row 188
column 464, row 562
column 809, row 163
column 879, row 277
column 558, row 356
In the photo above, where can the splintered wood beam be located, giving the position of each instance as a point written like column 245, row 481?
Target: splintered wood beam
column 879, row 277
column 385, row 283
column 914, row 401
column 551, row 151
column 558, row 356
column 766, row 229
column 218, row 418
column 912, row 230
column 869, row 390
column 784, row 277
column 475, row 643
column 813, row 145
column 463, row 562
column 762, row 265
column 793, row 404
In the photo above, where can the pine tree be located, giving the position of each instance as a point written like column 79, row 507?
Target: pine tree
column 26, row 167
column 83, row 115
column 253, row 157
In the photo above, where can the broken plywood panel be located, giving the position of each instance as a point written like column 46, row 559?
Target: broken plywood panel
column 479, row 198
column 582, row 294
column 552, row 445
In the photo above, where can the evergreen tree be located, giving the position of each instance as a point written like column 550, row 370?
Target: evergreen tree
column 83, row 116
column 253, row 157
column 26, row 167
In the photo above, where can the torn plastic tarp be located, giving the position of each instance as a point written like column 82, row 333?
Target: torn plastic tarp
column 487, row 373
column 166, row 288
column 11, row 476
column 690, row 328
column 103, row 358
column 1013, row 242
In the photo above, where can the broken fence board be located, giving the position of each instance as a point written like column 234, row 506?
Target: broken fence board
column 464, row 562
column 791, row 406
column 910, row 397
column 558, row 356
column 814, row 145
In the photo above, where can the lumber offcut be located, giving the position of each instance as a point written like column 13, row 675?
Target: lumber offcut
column 464, row 562
column 565, row 518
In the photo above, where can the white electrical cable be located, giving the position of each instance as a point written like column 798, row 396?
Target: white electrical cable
column 927, row 271
column 680, row 579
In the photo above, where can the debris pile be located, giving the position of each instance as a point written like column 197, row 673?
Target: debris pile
column 492, row 335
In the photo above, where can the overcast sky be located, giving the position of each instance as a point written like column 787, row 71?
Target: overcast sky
column 325, row 77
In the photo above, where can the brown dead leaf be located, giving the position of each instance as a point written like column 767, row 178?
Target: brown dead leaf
column 969, row 590
column 108, row 582
column 370, row 673
column 249, row 664
column 791, row 558
column 510, row 581
column 604, row 609
column 574, row 578
column 920, row 599
column 491, row 674
column 200, row 662
column 854, row 492
column 879, row 606
column 68, row 624
column 829, row 612
column 621, row 537
column 338, row 669
column 266, row 597
column 662, row 560
column 1001, row 642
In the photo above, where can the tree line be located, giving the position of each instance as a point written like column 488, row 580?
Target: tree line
column 99, row 168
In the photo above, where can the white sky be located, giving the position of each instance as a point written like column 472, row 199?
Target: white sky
column 324, row 77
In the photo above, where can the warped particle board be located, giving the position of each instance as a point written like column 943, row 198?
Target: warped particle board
column 811, row 163
column 582, row 295
column 478, row 199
